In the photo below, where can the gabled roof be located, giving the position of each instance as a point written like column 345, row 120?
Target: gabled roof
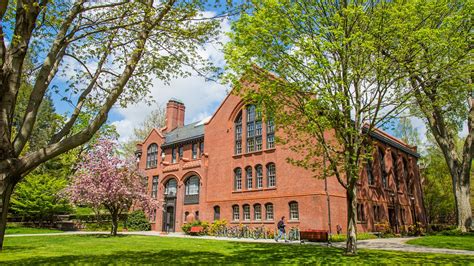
column 186, row 133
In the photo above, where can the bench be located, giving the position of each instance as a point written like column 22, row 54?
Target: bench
column 314, row 235
column 196, row 230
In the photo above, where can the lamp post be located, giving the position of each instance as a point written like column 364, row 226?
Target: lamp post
column 412, row 199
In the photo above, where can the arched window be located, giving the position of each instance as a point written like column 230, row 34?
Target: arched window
column 246, row 209
column 191, row 195
column 270, row 134
column 294, row 212
column 257, row 212
column 250, row 128
column 235, row 213
column 370, row 173
column 269, row 211
column 259, row 176
column 171, row 188
column 383, row 171
column 248, row 177
column 271, row 175
column 238, row 133
column 186, row 215
column 152, row 156
column 238, row 179
column 217, row 212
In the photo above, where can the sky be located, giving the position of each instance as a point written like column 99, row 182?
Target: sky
column 200, row 97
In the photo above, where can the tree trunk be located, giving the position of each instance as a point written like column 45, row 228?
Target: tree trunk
column 6, row 189
column 463, row 207
column 351, row 243
column 114, row 223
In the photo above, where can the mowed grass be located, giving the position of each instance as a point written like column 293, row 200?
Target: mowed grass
column 102, row 249
column 13, row 229
column 465, row 242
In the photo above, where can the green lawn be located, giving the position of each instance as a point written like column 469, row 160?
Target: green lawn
column 13, row 228
column 148, row 249
column 452, row 242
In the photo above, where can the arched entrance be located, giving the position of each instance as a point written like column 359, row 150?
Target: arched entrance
column 169, row 208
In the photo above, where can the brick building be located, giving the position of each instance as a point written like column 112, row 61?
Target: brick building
column 228, row 167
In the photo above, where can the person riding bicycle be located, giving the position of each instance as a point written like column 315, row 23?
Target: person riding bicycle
column 281, row 229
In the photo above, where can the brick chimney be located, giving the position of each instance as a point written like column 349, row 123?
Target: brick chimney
column 174, row 114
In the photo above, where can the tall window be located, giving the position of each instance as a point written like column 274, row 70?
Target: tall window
column 173, row 155
column 257, row 212
column 250, row 128
column 238, row 134
column 248, row 177
column 383, row 171
column 270, row 134
column 154, row 187
column 294, row 213
column 370, row 173
column 258, row 131
column 217, row 212
column 153, row 216
column 360, row 212
column 395, row 170
column 194, row 149
column 407, row 177
column 271, row 175
column 235, row 213
column 201, row 147
column 192, row 186
column 269, row 211
column 180, row 152
column 152, row 156
column 246, row 209
column 377, row 213
column 171, row 188
column 238, row 179
column 259, row 176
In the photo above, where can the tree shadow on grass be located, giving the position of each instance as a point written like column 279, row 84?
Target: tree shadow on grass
column 251, row 253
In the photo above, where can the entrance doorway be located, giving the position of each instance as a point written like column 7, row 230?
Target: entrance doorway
column 169, row 218
column 392, row 219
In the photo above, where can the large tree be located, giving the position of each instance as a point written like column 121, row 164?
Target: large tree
column 319, row 72
column 93, row 54
column 431, row 41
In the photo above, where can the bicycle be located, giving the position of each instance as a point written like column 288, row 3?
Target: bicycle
column 294, row 234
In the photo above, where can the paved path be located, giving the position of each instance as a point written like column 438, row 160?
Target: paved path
column 392, row 244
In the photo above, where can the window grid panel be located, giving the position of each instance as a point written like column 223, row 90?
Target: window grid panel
column 246, row 209
column 238, row 179
column 271, row 175
column 259, row 177
column 269, row 212
column 194, row 149
column 294, row 213
column 235, row 213
column 249, row 178
column 257, row 212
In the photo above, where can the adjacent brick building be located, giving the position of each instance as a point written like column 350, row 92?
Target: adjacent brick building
column 229, row 167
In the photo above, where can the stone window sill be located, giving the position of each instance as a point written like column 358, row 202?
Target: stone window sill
column 269, row 150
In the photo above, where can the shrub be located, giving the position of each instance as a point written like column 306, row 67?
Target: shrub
column 416, row 230
column 137, row 221
column 217, row 226
column 187, row 227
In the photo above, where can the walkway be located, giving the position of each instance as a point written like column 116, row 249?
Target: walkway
column 392, row 244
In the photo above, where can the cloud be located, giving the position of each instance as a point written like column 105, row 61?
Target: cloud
column 200, row 97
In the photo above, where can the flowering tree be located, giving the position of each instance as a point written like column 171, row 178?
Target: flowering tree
column 105, row 180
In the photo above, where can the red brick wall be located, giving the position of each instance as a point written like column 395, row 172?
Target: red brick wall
column 216, row 171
